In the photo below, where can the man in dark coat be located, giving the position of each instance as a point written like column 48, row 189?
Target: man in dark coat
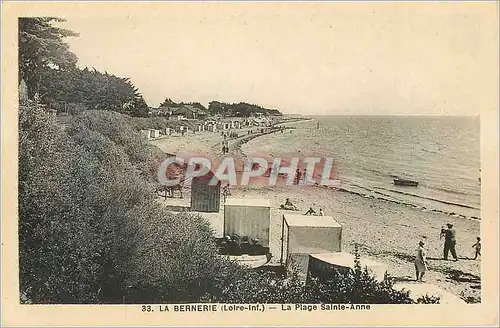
column 450, row 240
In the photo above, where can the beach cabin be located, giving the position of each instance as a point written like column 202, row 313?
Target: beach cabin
column 248, row 217
column 322, row 265
column 224, row 126
column 235, row 124
column 212, row 127
column 154, row 133
column 146, row 134
column 303, row 235
column 205, row 196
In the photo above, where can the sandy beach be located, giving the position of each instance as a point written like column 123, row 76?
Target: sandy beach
column 385, row 231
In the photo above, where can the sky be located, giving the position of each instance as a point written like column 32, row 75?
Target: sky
column 303, row 58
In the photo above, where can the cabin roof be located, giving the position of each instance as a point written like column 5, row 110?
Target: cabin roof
column 248, row 202
column 310, row 221
column 344, row 259
column 208, row 176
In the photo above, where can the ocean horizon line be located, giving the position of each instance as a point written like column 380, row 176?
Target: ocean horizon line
column 381, row 115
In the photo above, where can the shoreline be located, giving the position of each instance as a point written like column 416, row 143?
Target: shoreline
column 385, row 231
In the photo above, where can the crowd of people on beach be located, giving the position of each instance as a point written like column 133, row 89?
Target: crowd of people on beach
column 450, row 240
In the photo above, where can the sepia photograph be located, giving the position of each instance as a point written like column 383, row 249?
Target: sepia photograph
column 253, row 159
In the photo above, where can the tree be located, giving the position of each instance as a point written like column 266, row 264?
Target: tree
column 41, row 46
column 196, row 105
column 48, row 68
column 241, row 109
column 169, row 103
column 140, row 108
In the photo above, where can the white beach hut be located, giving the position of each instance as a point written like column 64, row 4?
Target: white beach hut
column 303, row 235
column 154, row 133
column 248, row 217
column 323, row 264
column 146, row 133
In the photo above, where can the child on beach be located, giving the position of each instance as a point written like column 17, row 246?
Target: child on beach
column 477, row 246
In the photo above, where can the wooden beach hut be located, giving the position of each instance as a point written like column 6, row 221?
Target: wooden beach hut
column 248, row 218
column 205, row 196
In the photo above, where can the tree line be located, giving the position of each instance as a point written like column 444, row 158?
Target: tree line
column 241, row 109
column 50, row 72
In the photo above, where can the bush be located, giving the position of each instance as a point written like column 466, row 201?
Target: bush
column 426, row 299
column 348, row 287
column 58, row 233
column 116, row 127
column 88, row 226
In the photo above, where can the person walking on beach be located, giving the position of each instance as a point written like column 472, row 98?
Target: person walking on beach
column 477, row 246
column 321, row 213
column 420, row 261
column 225, row 192
column 450, row 241
column 225, row 148
column 305, row 177
column 310, row 211
column 297, row 176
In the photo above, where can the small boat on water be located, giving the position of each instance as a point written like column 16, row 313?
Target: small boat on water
column 405, row 182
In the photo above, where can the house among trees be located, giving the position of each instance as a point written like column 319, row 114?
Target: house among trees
column 162, row 111
column 186, row 112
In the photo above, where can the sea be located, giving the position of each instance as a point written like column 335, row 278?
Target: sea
column 442, row 153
